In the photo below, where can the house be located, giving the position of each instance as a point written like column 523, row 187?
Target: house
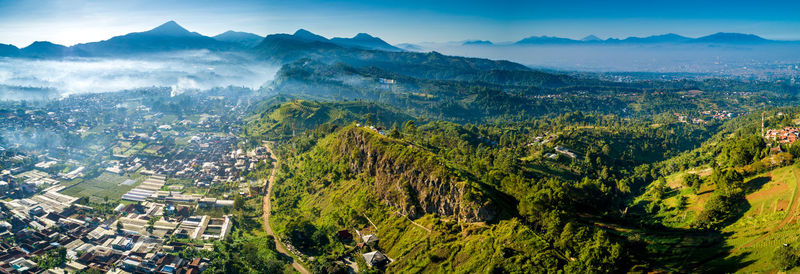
column 370, row 240
column 375, row 259
column 23, row 265
column 565, row 151
column 35, row 211
column 122, row 243
column 207, row 202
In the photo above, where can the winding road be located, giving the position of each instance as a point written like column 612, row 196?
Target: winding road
column 268, row 210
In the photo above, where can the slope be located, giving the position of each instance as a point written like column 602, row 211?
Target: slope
column 283, row 120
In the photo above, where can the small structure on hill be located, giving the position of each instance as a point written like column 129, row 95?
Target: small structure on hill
column 370, row 240
column 375, row 259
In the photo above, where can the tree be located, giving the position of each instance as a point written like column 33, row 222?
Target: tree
column 238, row 202
column 718, row 210
column 785, row 257
column 409, row 127
column 369, row 118
column 52, row 258
column 728, row 181
column 692, row 180
column 151, row 224
column 394, row 133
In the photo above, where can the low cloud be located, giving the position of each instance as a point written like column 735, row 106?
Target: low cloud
column 184, row 71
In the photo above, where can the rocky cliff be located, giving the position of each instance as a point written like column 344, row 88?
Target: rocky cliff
column 412, row 179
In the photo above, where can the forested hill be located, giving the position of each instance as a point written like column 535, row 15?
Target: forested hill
column 578, row 192
column 520, row 95
column 281, row 120
column 431, row 211
column 522, row 170
column 285, row 48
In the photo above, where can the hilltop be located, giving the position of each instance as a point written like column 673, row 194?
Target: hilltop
column 283, row 120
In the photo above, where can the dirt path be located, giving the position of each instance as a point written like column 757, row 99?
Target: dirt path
column 790, row 215
column 370, row 222
column 268, row 210
column 413, row 222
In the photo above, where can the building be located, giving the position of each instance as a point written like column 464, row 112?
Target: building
column 786, row 135
column 565, row 151
column 375, row 259
column 370, row 240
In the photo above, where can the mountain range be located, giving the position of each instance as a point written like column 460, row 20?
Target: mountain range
column 304, row 46
column 717, row 38
column 170, row 36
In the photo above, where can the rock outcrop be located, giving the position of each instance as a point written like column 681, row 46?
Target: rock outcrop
column 411, row 179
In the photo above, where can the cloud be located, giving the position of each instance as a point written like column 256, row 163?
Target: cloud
column 194, row 70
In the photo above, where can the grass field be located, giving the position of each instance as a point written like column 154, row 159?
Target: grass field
column 746, row 245
column 105, row 185
column 770, row 221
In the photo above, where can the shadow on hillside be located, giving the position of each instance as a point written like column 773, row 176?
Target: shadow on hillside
column 705, row 192
column 755, row 184
column 656, row 247
column 663, row 249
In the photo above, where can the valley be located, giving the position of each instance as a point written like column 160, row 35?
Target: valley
column 287, row 153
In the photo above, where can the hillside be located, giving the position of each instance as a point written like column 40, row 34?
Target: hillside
column 729, row 205
column 441, row 197
column 403, row 194
column 283, row 120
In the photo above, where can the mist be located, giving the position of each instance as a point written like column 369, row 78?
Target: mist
column 182, row 71
column 729, row 60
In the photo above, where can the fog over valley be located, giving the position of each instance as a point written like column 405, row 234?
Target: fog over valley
column 22, row 78
column 318, row 138
column 725, row 60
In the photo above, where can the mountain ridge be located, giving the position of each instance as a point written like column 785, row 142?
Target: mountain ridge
column 238, row 37
column 719, row 37
column 166, row 37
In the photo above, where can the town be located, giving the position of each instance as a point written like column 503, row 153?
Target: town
column 158, row 175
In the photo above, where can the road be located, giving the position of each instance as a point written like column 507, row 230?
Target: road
column 268, row 210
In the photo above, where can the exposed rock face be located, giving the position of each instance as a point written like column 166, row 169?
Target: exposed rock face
column 411, row 179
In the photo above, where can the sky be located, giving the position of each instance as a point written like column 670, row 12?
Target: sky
column 70, row 22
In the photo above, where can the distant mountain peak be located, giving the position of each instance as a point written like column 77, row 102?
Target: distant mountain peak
column 170, row 28
column 660, row 38
column 731, row 37
column 364, row 36
column 364, row 41
column 301, row 32
column 243, row 38
column 43, row 43
column 230, row 32
column 670, row 35
column 307, row 35
column 477, row 42
column 591, row 38
column 544, row 39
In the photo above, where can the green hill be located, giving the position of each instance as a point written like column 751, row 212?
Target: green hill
column 429, row 213
column 283, row 120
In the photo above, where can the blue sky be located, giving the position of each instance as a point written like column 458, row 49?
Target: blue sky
column 69, row 21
